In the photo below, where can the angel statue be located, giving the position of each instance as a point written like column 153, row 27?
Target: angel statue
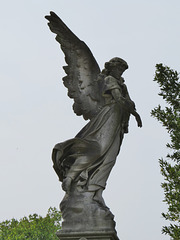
column 84, row 162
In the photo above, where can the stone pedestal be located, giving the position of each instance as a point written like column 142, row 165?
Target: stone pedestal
column 87, row 235
column 85, row 218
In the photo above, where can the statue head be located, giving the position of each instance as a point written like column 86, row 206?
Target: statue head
column 116, row 66
column 115, row 63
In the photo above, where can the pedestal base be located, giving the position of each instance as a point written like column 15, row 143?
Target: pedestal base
column 87, row 235
column 85, row 218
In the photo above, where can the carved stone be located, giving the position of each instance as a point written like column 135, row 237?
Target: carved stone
column 80, row 211
column 87, row 236
column 83, row 163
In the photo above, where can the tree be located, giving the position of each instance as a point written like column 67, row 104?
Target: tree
column 33, row 227
column 169, row 117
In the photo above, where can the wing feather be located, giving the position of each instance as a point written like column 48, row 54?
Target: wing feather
column 82, row 69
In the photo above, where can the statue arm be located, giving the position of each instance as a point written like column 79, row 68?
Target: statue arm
column 121, row 96
column 117, row 95
column 112, row 87
column 133, row 108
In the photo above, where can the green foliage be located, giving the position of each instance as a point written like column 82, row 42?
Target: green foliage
column 169, row 117
column 33, row 227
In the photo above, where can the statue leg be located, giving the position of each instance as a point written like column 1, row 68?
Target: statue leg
column 85, row 155
column 80, row 164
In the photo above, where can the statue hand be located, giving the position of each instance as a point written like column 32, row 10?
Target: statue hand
column 138, row 119
column 66, row 184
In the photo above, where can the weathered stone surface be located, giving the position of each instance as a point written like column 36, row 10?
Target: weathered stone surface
column 82, row 213
column 87, row 235
column 83, row 163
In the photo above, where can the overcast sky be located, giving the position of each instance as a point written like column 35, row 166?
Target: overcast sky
column 36, row 112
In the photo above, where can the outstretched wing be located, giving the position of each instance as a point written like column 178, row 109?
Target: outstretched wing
column 82, row 69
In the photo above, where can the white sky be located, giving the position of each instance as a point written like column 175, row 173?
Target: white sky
column 36, row 112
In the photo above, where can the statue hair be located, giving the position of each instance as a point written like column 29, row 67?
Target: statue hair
column 114, row 62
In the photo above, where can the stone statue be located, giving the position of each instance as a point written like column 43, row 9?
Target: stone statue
column 84, row 162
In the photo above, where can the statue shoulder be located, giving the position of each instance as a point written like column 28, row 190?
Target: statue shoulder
column 111, row 82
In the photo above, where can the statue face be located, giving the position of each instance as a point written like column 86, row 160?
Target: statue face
column 117, row 71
